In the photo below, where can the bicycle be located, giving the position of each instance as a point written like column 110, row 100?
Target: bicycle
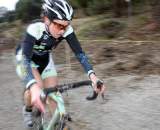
column 59, row 119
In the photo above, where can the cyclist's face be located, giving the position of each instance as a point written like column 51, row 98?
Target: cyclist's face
column 58, row 27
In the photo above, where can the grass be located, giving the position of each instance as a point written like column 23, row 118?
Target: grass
column 93, row 27
column 105, row 29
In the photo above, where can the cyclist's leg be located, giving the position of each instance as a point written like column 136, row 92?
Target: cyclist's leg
column 27, row 109
column 49, row 76
column 50, row 80
column 56, row 103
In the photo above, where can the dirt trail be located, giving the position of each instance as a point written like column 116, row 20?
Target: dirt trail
column 131, row 72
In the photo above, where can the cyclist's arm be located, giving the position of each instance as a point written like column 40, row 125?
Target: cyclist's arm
column 77, row 49
column 27, row 46
column 31, row 36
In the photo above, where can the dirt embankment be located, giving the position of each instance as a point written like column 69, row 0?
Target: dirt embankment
column 127, row 57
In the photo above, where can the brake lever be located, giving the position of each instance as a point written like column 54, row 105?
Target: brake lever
column 95, row 94
column 99, row 86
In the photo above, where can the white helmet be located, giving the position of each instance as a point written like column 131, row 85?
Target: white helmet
column 57, row 9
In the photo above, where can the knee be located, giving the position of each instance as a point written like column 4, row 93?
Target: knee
column 51, row 82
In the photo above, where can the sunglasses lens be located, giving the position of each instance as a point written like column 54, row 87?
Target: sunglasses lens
column 60, row 26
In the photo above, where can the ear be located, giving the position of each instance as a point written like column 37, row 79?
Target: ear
column 47, row 21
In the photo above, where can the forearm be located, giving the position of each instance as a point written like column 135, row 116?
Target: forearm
column 83, row 59
column 80, row 55
column 28, row 76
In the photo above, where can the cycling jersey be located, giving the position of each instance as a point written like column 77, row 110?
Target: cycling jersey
column 37, row 46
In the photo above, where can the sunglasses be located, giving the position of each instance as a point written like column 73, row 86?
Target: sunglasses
column 60, row 26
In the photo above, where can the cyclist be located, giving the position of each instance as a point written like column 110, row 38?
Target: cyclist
column 35, row 65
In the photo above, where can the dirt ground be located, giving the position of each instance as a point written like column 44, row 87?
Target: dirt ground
column 130, row 70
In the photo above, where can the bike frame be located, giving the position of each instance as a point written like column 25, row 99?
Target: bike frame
column 55, row 94
column 59, row 111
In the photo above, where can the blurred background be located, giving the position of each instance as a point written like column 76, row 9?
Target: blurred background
column 121, row 39
column 98, row 19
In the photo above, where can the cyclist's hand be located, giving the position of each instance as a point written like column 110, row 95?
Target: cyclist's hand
column 98, row 84
column 35, row 97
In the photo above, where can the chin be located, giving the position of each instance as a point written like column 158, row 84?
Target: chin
column 57, row 36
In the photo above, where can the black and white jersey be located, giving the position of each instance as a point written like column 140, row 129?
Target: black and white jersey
column 38, row 43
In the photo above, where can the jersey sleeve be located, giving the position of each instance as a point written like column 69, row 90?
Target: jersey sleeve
column 80, row 54
column 26, row 48
column 34, row 32
column 68, row 31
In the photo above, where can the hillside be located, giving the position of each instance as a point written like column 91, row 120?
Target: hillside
column 100, row 27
